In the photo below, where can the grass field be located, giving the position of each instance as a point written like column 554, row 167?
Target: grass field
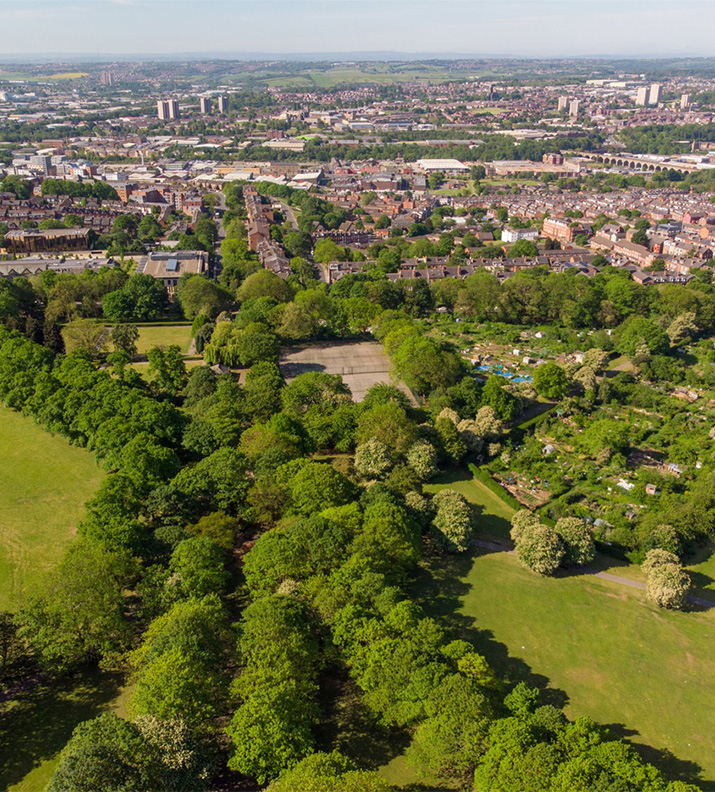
column 595, row 646
column 35, row 725
column 44, row 483
column 163, row 335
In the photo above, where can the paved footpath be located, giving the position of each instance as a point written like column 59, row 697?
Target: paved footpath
column 636, row 584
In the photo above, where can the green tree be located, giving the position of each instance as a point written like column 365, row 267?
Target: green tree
column 197, row 567
column 179, row 664
column 682, row 328
column 551, row 381
column 107, row 753
column 271, row 731
column 265, row 283
column 383, row 221
column 198, row 295
column 219, row 527
column 124, row 337
column 79, row 613
column 317, row 486
column 523, row 247
column 167, row 368
column 333, row 772
column 639, row 330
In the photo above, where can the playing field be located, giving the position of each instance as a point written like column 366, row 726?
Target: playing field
column 44, row 483
column 595, row 646
column 163, row 335
column 361, row 364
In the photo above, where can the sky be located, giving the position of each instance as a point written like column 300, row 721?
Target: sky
column 527, row 28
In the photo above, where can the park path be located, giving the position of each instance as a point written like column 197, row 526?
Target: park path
column 636, row 584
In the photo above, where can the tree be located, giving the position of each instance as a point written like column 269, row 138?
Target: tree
column 423, row 365
column 179, row 664
column 125, row 337
column 333, row 772
column 21, row 188
column 107, row 754
column 638, row 329
column 523, row 247
column 539, row 548
column 265, row 283
column 388, row 538
column 197, row 565
column 257, row 344
column 79, row 612
column 422, row 458
column 667, row 583
column 85, row 335
column 142, row 299
column 198, row 295
column 271, row 731
column 388, row 423
column 206, row 232
column 503, row 403
column 577, row 538
column 219, row 527
column 450, row 439
column 262, row 388
column 595, row 359
column 682, row 328
column 452, row 524
column 551, row 381
column 372, row 459
column 383, row 221
column 317, row 486
column 640, row 237
column 167, row 368
column 450, row 740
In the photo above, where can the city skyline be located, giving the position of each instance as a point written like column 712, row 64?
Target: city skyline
column 528, row 28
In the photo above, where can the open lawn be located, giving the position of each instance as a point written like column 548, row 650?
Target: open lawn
column 593, row 645
column 163, row 335
column 44, row 483
column 36, row 724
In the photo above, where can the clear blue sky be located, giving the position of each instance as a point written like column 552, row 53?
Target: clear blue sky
column 527, row 27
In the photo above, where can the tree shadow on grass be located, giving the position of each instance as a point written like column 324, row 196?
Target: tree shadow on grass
column 36, row 724
column 348, row 726
column 440, row 587
column 664, row 760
